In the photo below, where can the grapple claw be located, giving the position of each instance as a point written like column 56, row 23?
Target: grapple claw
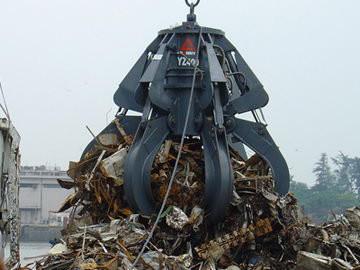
column 249, row 101
column 126, row 95
column 194, row 66
column 137, row 184
column 256, row 137
column 218, row 172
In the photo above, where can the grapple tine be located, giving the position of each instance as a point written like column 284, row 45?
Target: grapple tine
column 253, row 94
column 237, row 146
column 249, row 101
column 218, row 171
column 256, row 136
column 125, row 96
column 137, row 182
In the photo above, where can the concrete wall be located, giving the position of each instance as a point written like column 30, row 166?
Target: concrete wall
column 39, row 233
column 40, row 194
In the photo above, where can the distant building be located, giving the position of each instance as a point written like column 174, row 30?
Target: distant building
column 40, row 193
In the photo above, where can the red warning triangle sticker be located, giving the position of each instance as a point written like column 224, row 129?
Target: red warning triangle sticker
column 188, row 45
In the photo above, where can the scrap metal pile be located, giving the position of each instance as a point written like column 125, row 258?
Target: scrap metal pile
column 222, row 209
column 261, row 230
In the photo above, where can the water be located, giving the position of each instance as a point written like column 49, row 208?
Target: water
column 30, row 250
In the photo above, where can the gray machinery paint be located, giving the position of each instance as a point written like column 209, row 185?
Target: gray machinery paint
column 159, row 86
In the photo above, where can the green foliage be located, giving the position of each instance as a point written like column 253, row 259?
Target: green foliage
column 301, row 190
column 342, row 171
column 321, row 204
column 335, row 189
column 325, row 178
column 355, row 175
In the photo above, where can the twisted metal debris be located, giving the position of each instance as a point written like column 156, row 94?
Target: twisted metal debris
column 261, row 230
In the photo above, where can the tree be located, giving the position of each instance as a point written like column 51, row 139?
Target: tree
column 325, row 179
column 333, row 191
column 343, row 167
column 300, row 190
column 355, row 175
column 321, row 204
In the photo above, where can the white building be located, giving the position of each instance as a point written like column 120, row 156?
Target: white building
column 40, row 193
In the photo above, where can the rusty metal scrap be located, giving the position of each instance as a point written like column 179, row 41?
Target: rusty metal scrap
column 262, row 230
column 236, row 238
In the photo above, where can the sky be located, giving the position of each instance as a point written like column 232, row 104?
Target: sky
column 62, row 60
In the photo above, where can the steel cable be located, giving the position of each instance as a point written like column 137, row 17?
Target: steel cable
column 5, row 107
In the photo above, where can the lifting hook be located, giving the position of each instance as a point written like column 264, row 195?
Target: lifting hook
column 192, row 17
column 192, row 4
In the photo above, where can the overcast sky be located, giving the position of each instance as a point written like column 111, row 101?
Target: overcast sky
column 62, row 60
